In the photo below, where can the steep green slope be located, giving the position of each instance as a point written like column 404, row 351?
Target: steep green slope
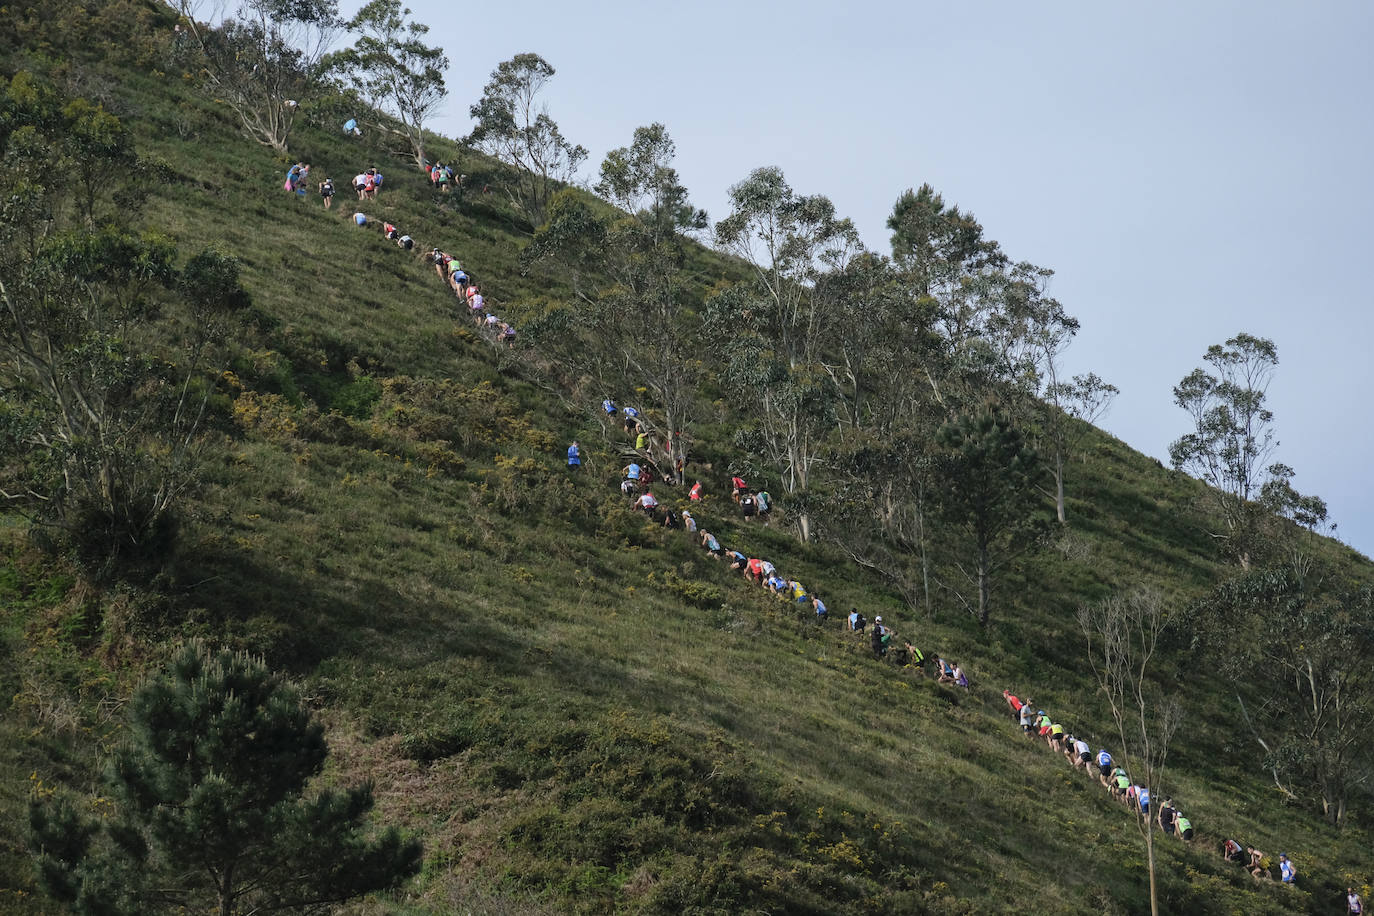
column 575, row 711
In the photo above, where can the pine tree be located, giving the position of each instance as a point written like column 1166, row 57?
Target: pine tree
column 986, row 477
column 212, row 808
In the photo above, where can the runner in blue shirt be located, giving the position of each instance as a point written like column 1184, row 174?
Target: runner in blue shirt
column 574, row 455
column 1104, row 767
column 708, row 540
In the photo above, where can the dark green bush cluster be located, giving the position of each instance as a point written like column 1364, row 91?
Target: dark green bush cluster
column 694, row 593
column 123, row 31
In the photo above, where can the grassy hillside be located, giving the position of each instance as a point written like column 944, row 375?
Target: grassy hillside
column 575, row 711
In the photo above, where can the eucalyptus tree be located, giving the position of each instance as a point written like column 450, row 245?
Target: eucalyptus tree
column 1311, row 633
column 514, row 126
column 263, row 60
column 637, row 322
column 1036, row 331
column 397, row 73
column 868, row 337
column 879, row 458
column 1232, row 441
column 776, row 327
column 1071, row 408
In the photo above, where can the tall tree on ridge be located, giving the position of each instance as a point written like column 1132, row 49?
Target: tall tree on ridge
column 773, row 327
column 951, row 268
column 398, row 73
column 264, row 59
column 513, row 124
column 1233, row 439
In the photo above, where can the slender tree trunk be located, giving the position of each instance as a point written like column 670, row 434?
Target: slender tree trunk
column 1333, row 804
column 921, row 542
column 798, row 472
column 983, row 609
column 1150, row 862
column 1059, row 485
column 226, row 892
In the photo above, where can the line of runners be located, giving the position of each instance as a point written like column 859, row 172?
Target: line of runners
column 459, row 281
column 635, row 485
column 883, row 639
column 1036, row 723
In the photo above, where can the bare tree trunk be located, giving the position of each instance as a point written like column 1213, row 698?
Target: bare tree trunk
column 798, row 471
column 1059, row 485
column 921, row 541
column 1150, row 860
column 1122, row 634
column 420, row 156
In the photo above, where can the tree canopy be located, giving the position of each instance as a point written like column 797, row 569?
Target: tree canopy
column 640, row 324
column 514, row 125
column 263, row 59
column 395, row 71
column 1232, row 441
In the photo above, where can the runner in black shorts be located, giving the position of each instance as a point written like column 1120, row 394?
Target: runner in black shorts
column 1084, row 755
column 1104, row 766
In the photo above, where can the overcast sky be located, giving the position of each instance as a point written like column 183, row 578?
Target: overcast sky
column 1188, row 170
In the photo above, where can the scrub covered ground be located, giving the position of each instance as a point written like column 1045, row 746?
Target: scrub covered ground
column 575, row 711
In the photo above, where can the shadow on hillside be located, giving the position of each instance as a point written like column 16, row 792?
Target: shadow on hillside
column 298, row 620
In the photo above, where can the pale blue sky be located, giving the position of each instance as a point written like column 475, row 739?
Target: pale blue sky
column 1189, row 170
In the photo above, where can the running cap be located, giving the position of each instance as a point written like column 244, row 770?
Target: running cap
column 879, row 618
